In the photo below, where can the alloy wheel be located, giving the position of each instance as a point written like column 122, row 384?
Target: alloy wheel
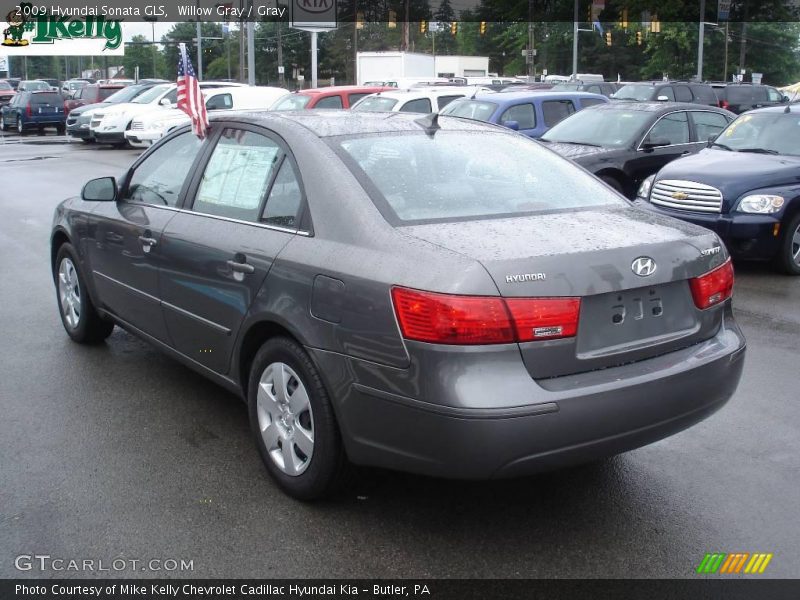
column 794, row 247
column 19, row 125
column 285, row 418
column 69, row 293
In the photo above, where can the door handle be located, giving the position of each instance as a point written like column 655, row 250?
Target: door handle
column 241, row 267
column 148, row 241
column 685, row 153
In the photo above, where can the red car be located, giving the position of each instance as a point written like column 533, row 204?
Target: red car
column 6, row 92
column 91, row 94
column 336, row 96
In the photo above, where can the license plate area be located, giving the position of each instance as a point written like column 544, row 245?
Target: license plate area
column 626, row 321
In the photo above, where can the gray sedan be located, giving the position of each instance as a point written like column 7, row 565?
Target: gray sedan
column 433, row 295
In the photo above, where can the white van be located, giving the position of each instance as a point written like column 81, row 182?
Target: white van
column 418, row 100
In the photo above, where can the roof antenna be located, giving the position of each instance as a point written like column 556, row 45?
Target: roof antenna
column 430, row 123
column 788, row 109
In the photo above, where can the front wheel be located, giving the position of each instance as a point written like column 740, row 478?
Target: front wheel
column 3, row 124
column 292, row 420
column 788, row 257
column 78, row 315
column 20, row 127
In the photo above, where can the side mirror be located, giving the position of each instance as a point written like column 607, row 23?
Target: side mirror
column 711, row 139
column 649, row 145
column 785, row 99
column 511, row 125
column 663, row 98
column 103, row 189
column 165, row 102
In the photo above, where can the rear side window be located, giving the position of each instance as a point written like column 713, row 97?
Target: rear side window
column 376, row 104
column 292, row 102
column 285, row 198
column 329, row 102
column 46, row 98
column 704, row 94
column 443, row 101
column 666, row 91
column 554, row 111
column 707, row 124
column 683, row 93
column 237, row 175
column 353, row 98
column 522, row 114
column 420, row 105
column 745, row 94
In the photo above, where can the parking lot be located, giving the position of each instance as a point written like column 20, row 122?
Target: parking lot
column 115, row 451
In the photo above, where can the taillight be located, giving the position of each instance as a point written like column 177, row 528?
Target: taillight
column 714, row 287
column 723, row 104
column 28, row 110
column 450, row 319
column 66, row 110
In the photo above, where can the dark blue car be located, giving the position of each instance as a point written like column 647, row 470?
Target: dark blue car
column 34, row 110
column 745, row 186
column 531, row 113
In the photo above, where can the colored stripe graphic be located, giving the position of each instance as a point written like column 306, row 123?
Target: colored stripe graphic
column 723, row 563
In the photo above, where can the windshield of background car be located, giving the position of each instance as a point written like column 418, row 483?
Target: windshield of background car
column 635, row 92
column 151, row 94
column 292, row 102
column 46, row 98
column 470, row 109
column 126, row 94
column 5, row 86
column 418, row 178
column 375, row 104
column 36, row 85
column 104, row 93
column 776, row 132
column 615, row 128
column 567, row 87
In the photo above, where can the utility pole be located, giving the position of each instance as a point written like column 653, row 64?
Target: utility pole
column 575, row 30
column 241, row 41
column 725, row 76
column 700, row 40
column 251, row 53
column 199, row 43
column 531, row 57
column 406, row 26
column 280, row 56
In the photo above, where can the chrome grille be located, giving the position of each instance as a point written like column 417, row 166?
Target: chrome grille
column 686, row 195
column 96, row 118
column 137, row 125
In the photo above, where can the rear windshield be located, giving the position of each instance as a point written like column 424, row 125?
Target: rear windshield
column 36, row 85
column 46, row 98
column 292, row 102
column 376, row 104
column 744, row 94
column 470, row 109
column 417, row 178
column 635, row 92
column 104, row 93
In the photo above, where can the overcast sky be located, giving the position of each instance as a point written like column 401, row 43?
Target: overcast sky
column 131, row 29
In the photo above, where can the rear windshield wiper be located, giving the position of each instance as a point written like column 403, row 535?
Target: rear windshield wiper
column 759, row 150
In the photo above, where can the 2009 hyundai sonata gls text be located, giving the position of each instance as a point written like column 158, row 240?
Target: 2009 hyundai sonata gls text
column 443, row 297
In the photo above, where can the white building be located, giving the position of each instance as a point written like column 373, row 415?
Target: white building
column 462, row 66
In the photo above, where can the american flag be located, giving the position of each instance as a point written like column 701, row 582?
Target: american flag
column 190, row 100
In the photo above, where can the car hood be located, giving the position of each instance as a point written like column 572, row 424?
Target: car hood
column 580, row 151
column 734, row 173
column 89, row 107
column 128, row 108
column 152, row 118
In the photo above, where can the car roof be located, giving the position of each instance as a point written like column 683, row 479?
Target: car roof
column 332, row 122
column 507, row 97
column 622, row 104
column 337, row 89
column 781, row 108
column 429, row 92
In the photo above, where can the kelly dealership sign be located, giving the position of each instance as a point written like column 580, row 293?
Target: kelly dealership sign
column 30, row 30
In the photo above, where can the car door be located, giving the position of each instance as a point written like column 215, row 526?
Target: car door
column 524, row 115
column 673, row 138
column 125, row 249
column 774, row 97
column 219, row 249
column 554, row 111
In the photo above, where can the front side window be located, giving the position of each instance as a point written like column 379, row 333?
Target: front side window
column 237, row 175
column 159, row 179
column 375, row 104
column 554, row 111
column 774, row 95
column 522, row 114
column 669, row 130
column 470, row 109
column 415, row 178
column 420, row 105
column 443, row 101
column 292, row 102
column 219, row 102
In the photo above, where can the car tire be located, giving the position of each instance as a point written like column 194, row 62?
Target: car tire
column 61, row 130
column 292, row 420
column 87, row 140
column 788, row 257
column 20, row 126
column 78, row 315
column 612, row 182
column 3, row 124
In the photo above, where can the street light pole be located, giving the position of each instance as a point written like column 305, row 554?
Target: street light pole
column 575, row 42
column 700, row 40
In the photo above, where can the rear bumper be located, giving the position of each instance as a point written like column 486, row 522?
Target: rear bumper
column 747, row 236
column 547, row 423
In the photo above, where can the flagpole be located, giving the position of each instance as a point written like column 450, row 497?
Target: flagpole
column 199, row 44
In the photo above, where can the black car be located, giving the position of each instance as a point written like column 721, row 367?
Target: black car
column 668, row 91
column 605, row 88
column 625, row 142
column 740, row 97
column 745, row 186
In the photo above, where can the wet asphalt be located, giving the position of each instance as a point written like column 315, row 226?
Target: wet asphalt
column 117, row 452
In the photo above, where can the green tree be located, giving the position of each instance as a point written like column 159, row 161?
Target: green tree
column 213, row 45
column 139, row 52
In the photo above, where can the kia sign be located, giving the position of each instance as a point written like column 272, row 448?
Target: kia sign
column 316, row 15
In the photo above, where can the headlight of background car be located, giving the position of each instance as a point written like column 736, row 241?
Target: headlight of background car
column 644, row 188
column 761, row 203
